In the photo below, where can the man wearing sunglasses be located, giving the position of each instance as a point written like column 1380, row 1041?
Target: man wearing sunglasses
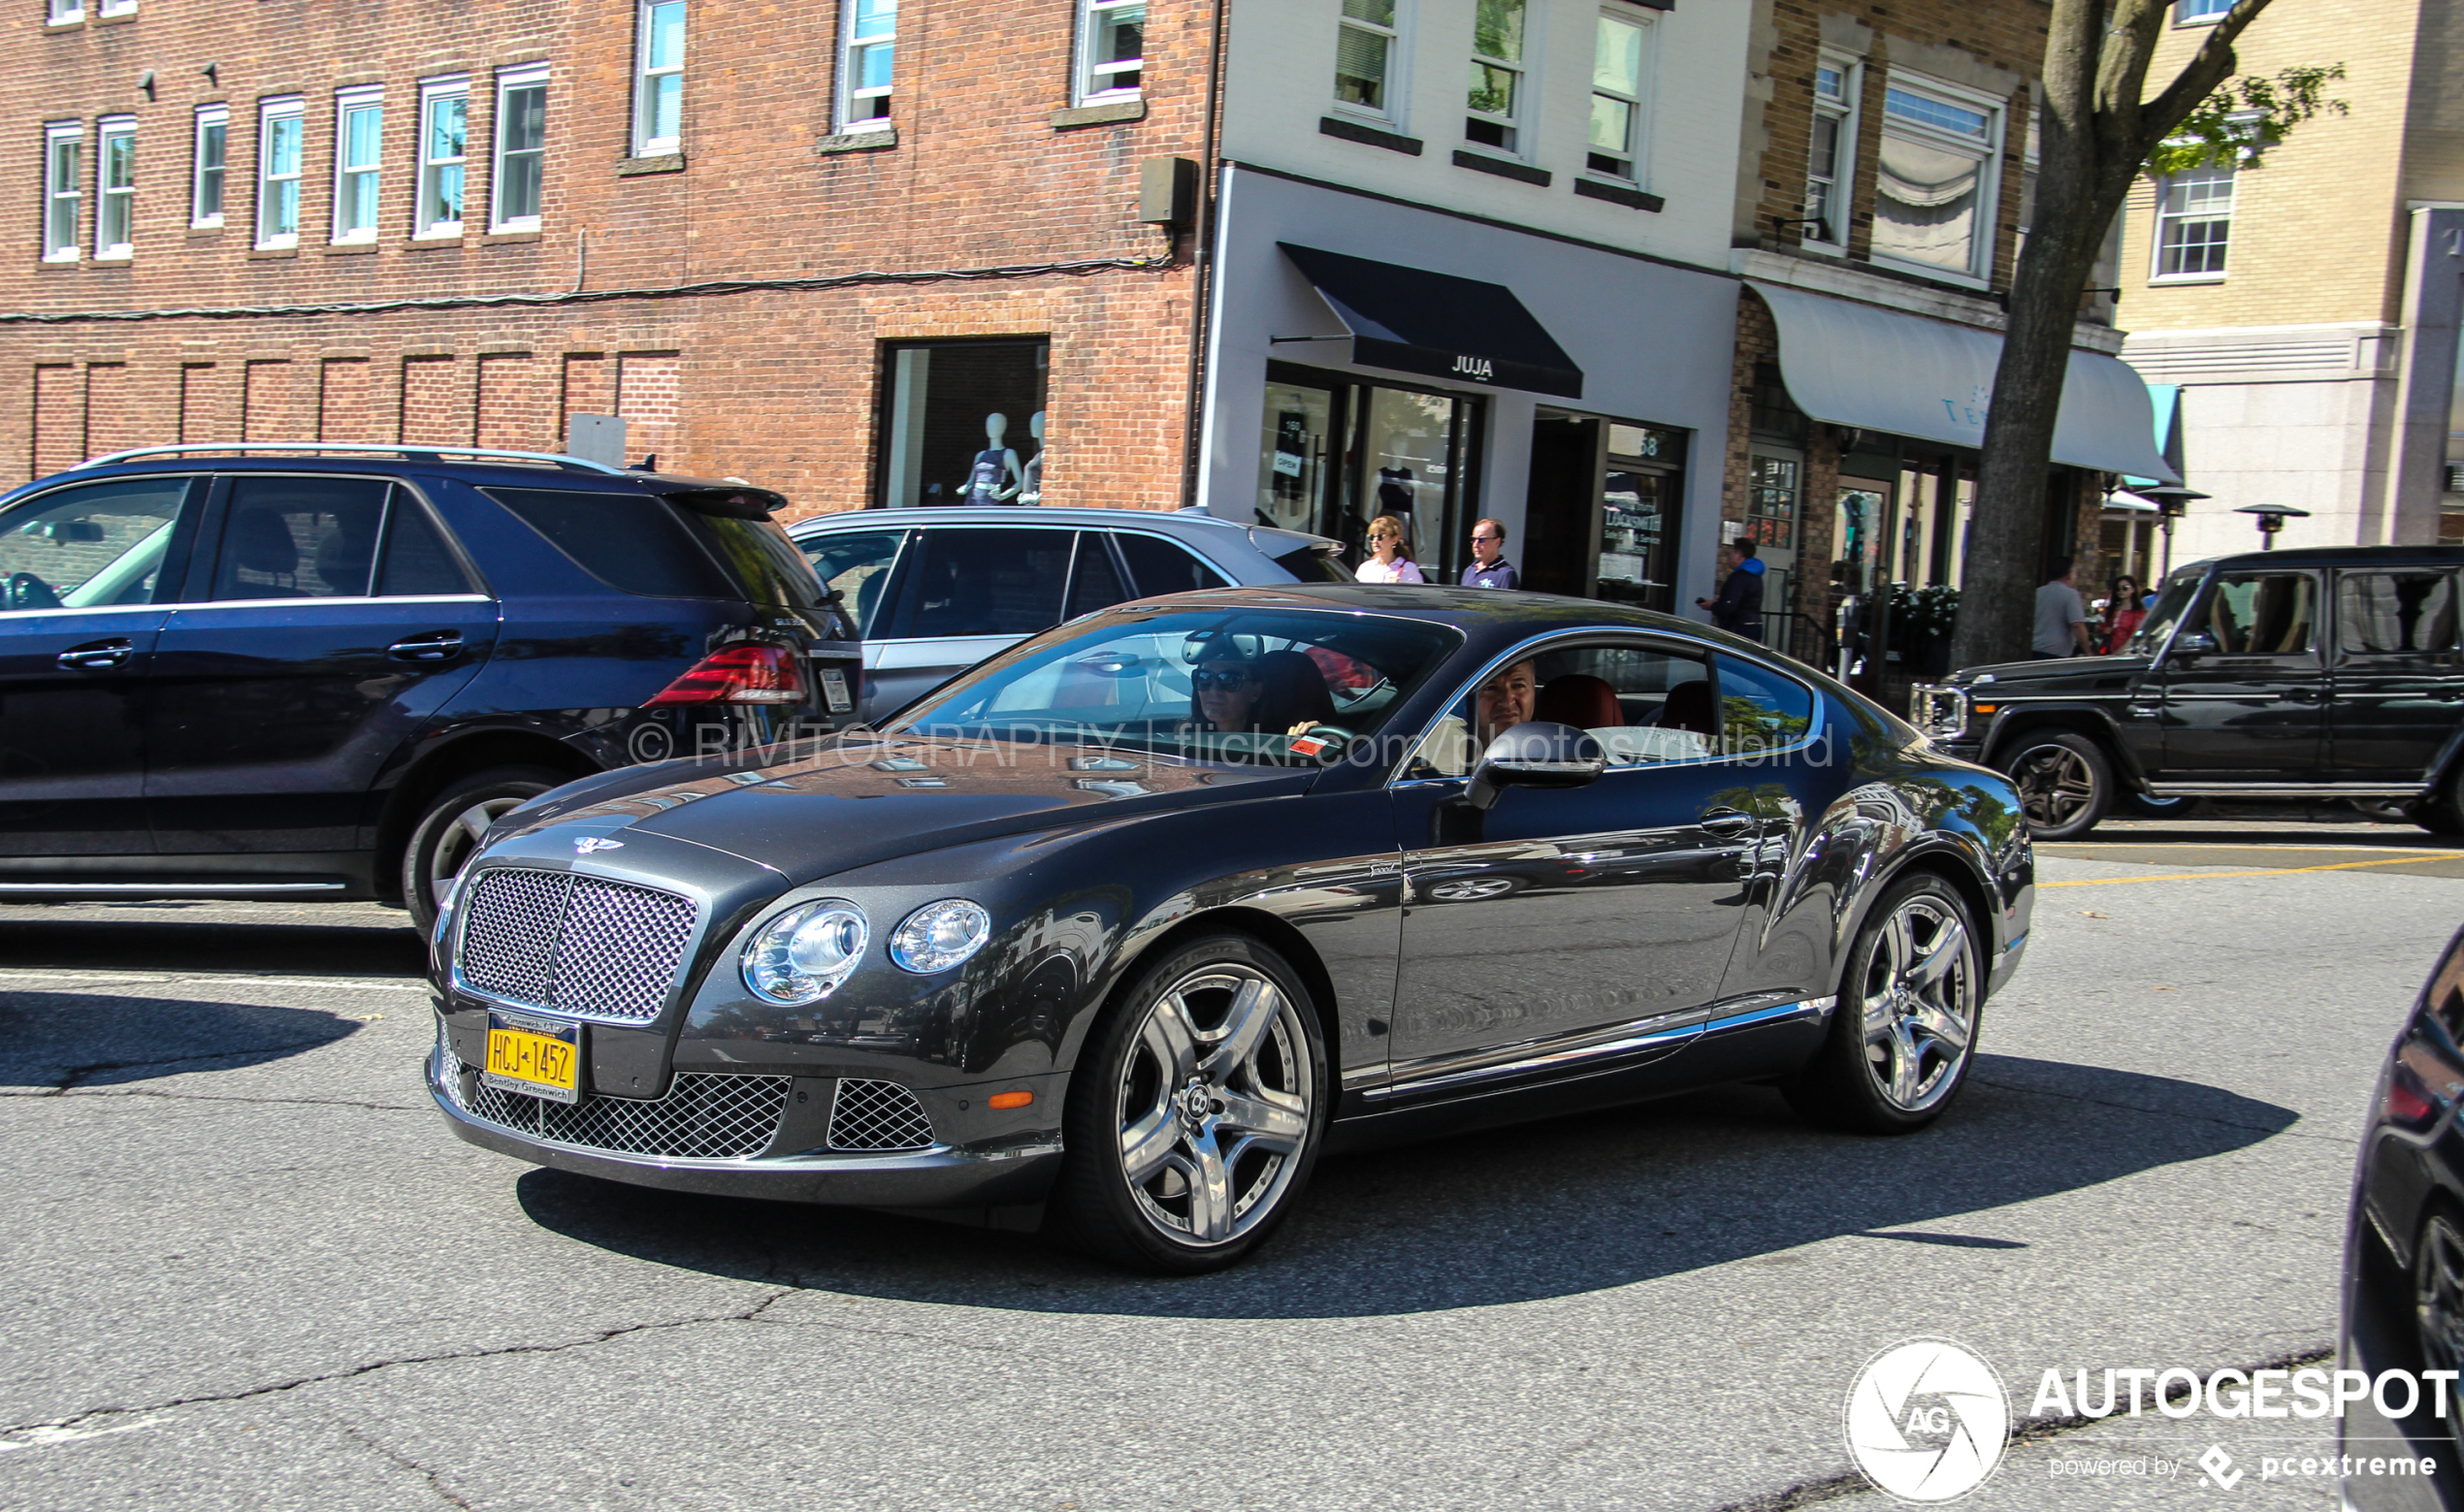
column 1489, row 568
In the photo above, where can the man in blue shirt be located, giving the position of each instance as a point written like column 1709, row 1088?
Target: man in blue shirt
column 1489, row 568
column 1739, row 606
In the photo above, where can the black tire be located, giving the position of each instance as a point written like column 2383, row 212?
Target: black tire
column 1898, row 1048
column 1271, row 1099
column 449, row 829
column 2442, row 814
column 2065, row 784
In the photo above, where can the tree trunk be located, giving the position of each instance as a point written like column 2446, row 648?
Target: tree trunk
column 2094, row 133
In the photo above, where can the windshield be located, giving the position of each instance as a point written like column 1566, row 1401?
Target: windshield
column 1280, row 687
column 2160, row 620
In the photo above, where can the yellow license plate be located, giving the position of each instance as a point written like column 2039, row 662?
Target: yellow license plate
column 535, row 1057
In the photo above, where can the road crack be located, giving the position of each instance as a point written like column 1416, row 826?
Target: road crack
column 92, row 1415
column 436, row 1482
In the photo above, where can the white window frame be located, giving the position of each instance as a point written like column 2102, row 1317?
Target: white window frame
column 64, row 12
column 270, row 114
column 529, row 77
column 2184, row 15
column 1091, row 18
column 119, row 7
column 1397, row 40
column 2163, row 218
column 648, row 79
column 63, row 184
column 347, row 103
column 1988, row 187
column 1519, row 126
column 1638, row 152
column 851, row 11
column 208, row 115
column 1839, row 209
column 109, row 129
column 427, row 223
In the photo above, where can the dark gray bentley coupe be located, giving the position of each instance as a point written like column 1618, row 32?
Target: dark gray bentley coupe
column 1122, row 929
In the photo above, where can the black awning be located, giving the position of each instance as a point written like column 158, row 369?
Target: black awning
column 1412, row 320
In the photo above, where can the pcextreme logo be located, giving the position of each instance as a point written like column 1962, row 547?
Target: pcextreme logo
column 1928, row 1420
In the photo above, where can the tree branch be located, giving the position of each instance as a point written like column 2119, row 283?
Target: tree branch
column 2212, row 64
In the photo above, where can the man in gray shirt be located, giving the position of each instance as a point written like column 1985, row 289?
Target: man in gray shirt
column 2061, row 616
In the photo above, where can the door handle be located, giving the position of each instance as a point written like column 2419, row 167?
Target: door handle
column 437, row 646
column 1726, row 822
column 2305, row 696
column 96, row 655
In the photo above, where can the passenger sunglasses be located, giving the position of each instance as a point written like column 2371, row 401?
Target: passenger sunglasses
column 1202, row 681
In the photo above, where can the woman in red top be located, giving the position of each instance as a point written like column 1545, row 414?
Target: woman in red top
column 2124, row 612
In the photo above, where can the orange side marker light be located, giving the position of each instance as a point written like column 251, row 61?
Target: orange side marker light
column 1009, row 1099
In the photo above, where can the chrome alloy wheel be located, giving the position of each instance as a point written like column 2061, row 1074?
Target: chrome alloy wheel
column 2055, row 786
column 452, row 848
column 1216, row 1101
column 2438, row 1292
column 1919, row 999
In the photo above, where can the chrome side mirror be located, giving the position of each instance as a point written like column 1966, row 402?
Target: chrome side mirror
column 2195, row 643
column 1535, row 755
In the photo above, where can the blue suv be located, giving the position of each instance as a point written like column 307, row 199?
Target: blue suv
column 323, row 673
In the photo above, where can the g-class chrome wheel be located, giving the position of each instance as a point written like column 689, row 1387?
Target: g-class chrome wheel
column 1215, row 1102
column 1919, row 997
column 2055, row 786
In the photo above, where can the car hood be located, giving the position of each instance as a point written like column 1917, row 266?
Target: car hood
column 853, row 805
column 2053, row 674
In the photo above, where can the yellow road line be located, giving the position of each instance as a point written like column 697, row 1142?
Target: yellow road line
column 2237, row 845
column 2286, row 871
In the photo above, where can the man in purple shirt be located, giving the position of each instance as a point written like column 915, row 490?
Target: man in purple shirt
column 1489, row 568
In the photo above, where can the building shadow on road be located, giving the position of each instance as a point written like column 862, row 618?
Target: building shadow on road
column 1547, row 1209
column 59, row 1041
column 215, row 944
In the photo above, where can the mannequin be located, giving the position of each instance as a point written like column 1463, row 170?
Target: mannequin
column 996, row 476
column 1032, row 488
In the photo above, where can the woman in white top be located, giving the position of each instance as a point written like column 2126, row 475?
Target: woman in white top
column 1393, row 561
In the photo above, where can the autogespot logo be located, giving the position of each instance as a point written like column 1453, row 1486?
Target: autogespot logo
column 1928, row 1420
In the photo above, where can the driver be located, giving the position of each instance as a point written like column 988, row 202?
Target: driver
column 1228, row 688
column 1505, row 700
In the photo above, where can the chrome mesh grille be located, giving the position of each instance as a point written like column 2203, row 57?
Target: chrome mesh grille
column 877, row 1116
column 704, row 1116
column 578, row 945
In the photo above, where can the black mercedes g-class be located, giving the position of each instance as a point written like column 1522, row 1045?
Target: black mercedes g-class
column 2327, row 672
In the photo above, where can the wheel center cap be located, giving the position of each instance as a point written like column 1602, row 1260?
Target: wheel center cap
column 1195, row 1102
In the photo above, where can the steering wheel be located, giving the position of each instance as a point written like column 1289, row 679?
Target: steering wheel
column 28, row 592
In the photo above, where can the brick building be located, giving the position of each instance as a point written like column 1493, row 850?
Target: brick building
column 792, row 242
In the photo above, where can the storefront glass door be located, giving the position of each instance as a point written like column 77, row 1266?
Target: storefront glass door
column 1335, row 453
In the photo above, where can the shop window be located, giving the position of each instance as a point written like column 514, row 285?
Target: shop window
column 1933, row 196
column 1335, row 454
column 963, row 421
column 1110, row 48
column 1495, row 105
column 1830, row 160
column 1620, row 109
column 205, row 186
column 658, row 79
column 1640, row 495
column 1368, row 58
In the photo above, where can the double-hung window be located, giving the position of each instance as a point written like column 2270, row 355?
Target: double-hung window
column 359, row 162
column 63, row 189
column 280, row 127
column 2195, row 224
column 1933, row 194
column 1369, row 59
column 1112, row 43
column 114, row 185
column 2191, row 13
column 61, row 12
column 1830, row 155
column 212, row 146
column 119, row 7
column 1620, row 102
column 521, row 158
column 865, row 63
column 1494, row 111
column 658, row 79
column 445, row 132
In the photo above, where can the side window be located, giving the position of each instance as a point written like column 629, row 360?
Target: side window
column 991, row 582
column 298, row 538
column 417, row 561
column 1646, row 706
column 1159, row 566
column 856, row 563
column 85, row 548
column 1760, row 710
column 2394, row 612
column 629, row 541
column 1094, row 582
column 2262, row 613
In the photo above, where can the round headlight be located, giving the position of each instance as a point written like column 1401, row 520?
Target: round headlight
column 940, row 935
column 805, row 952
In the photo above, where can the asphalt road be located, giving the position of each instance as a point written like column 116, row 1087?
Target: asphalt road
column 242, row 1264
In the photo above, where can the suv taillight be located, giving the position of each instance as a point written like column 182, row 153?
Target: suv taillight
column 739, row 674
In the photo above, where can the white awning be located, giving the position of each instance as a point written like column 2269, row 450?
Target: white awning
column 1878, row 370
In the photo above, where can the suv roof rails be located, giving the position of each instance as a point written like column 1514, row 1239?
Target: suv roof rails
column 415, row 453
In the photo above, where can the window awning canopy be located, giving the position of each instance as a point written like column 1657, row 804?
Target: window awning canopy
column 1413, row 320
column 1877, row 370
